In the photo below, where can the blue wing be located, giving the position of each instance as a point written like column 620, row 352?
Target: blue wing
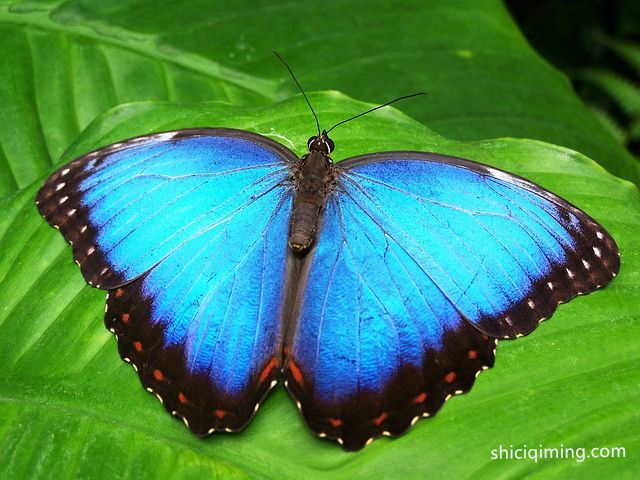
column 188, row 231
column 125, row 207
column 422, row 262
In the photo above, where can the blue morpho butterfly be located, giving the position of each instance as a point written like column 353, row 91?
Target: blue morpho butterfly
column 377, row 287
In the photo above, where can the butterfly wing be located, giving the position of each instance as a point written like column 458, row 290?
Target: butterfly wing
column 125, row 207
column 188, row 231
column 203, row 326
column 423, row 261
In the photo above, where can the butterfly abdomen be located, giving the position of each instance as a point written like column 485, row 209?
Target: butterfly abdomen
column 312, row 184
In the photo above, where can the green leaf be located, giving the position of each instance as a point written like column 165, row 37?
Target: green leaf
column 634, row 131
column 57, row 77
column 69, row 407
column 610, row 123
column 628, row 51
column 622, row 90
column 64, row 62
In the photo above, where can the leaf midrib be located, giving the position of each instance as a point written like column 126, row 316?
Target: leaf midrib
column 147, row 46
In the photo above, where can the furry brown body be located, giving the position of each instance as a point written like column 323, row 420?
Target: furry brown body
column 313, row 182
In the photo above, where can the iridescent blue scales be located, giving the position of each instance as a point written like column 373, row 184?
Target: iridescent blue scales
column 420, row 264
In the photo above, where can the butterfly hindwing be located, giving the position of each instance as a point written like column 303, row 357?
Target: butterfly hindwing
column 203, row 327
column 125, row 207
column 422, row 262
column 375, row 348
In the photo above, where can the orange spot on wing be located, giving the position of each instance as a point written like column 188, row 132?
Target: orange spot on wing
column 157, row 374
column 420, row 398
column 335, row 422
column 287, row 351
column 273, row 363
column 295, row 371
column 220, row 414
column 380, row 418
column 450, row 377
column 182, row 399
column 137, row 346
column 125, row 318
column 119, row 292
column 472, row 355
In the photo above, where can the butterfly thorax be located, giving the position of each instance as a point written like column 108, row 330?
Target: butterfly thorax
column 312, row 180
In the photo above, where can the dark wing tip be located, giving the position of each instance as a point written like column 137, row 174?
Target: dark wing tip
column 414, row 393
column 592, row 265
column 59, row 202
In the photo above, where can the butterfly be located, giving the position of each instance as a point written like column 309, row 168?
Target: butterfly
column 376, row 287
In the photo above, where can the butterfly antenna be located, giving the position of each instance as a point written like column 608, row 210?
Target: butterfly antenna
column 299, row 86
column 377, row 108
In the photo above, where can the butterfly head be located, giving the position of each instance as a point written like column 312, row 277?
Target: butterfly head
column 321, row 143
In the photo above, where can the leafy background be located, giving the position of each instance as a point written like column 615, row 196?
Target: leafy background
column 80, row 74
column 600, row 53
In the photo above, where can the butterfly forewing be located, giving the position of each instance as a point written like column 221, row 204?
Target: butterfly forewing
column 127, row 206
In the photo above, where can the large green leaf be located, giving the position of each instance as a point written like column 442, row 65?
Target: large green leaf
column 64, row 62
column 69, row 407
column 56, row 78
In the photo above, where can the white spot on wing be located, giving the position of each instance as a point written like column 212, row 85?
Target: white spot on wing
column 597, row 251
column 59, row 186
column 599, row 235
column 586, row 264
column 62, row 200
column 64, row 172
